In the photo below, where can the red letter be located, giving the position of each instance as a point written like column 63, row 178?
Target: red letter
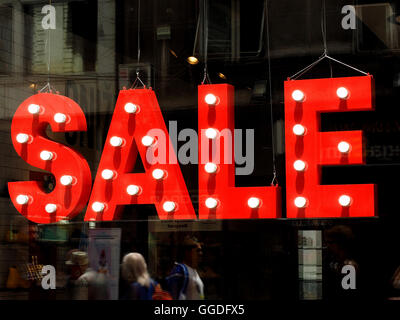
column 307, row 148
column 70, row 169
column 136, row 114
column 218, row 196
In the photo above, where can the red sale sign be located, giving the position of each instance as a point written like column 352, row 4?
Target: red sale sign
column 137, row 113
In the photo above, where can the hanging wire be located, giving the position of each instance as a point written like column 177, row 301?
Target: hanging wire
column 325, row 54
column 48, row 86
column 138, row 81
column 274, row 179
column 206, row 77
column 324, row 33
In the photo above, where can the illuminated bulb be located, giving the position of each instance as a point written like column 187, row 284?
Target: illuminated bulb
column 46, row 155
column 97, row 206
column 344, row 200
column 299, row 165
column 210, row 99
column 298, row 95
column 66, row 180
column 344, row 147
column 211, row 203
column 33, row 109
column 169, row 206
column 211, row 133
column 116, row 141
column 300, row 202
column 22, row 138
column 132, row 190
column 50, row 208
column 22, row 199
column 253, row 202
column 299, row 130
column 147, row 141
column 158, row 174
column 107, row 174
column 210, row 167
column 192, row 60
column 130, row 108
column 60, row 118
column 342, row 93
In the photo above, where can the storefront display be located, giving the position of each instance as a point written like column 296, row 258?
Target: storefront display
column 161, row 150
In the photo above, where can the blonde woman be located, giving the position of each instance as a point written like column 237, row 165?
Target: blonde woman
column 140, row 286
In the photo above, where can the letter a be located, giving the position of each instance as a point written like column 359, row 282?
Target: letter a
column 349, row 280
column 49, row 20
column 49, row 277
column 349, row 20
column 135, row 115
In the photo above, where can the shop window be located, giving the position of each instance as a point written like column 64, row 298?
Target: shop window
column 72, row 45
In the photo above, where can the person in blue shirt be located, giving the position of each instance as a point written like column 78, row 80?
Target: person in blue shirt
column 184, row 282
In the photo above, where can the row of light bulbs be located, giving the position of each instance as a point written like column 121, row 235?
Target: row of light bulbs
column 343, row 147
column 211, row 133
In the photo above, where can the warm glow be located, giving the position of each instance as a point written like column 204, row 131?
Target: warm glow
column 192, row 60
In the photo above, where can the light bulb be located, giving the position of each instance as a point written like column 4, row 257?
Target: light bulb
column 51, row 208
column 298, row 96
column 66, row 180
column 342, row 93
column 211, row 203
column 33, row 109
column 22, row 199
column 211, row 133
column 345, row 200
column 22, row 138
column 192, row 60
column 299, row 130
column 169, row 206
column 300, row 202
column 132, row 190
column 46, row 155
column 147, row 141
column 98, row 206
column 210, row 99
column 131, row 108
column 299, row 165
column 158, row 174
column 116, row 141
column 253, row 202
column 210, row 167
column 107, row 174
column 344, row 147
column 60, row 118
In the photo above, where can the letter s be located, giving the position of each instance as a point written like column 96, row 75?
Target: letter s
column 70, row 169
